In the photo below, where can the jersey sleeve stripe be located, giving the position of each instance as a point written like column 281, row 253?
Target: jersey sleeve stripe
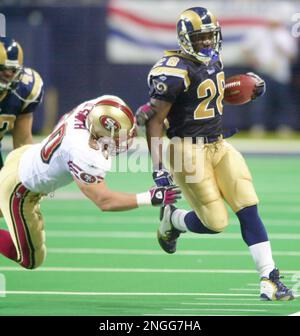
column 172, row 72
column 74, row 167
column 36, row 89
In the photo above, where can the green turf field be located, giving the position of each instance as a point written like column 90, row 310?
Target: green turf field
column 110, row 264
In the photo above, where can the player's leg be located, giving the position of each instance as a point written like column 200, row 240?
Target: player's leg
column 7, row 246
column 21, row 213
column 235, row 182
column 199, row 187
column 209, row 214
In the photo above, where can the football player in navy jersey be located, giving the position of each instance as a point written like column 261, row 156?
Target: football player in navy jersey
column 186, row 94
column 21, row 91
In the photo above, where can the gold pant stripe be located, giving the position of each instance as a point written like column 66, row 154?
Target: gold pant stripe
column 21, row 211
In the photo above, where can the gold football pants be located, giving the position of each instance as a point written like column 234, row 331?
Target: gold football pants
column 21, row 211
column 225, row 176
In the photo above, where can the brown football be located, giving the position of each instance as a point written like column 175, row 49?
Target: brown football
column 239, row 89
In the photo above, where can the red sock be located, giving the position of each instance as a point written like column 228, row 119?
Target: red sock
column 7, row 247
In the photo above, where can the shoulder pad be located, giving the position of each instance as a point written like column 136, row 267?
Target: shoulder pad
column 171, row 65
column 31, row 86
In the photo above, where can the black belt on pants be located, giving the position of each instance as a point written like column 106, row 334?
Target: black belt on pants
column 214, row 138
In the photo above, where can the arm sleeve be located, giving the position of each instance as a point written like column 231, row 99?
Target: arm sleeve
column 166, row 88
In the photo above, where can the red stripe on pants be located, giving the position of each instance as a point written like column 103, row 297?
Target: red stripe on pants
column 20, row 226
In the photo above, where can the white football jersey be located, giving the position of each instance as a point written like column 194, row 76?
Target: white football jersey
column 64, row 154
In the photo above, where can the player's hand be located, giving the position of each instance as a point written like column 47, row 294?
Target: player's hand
column 161, row 196
column 143, row 114
column 260, row 87
column 162, row 177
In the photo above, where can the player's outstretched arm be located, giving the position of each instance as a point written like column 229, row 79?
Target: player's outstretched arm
column 108, row 200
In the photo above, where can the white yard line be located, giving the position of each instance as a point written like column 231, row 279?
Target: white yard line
column 215, row 309
column 191, row 315
column 118, row 293
column 151, row 235
column 71, row 219
column 134, row 270
column 274, row 208
column 245, row 289
column 295, row 314
column 229, row 299
column 158, row 252
column 229, row 304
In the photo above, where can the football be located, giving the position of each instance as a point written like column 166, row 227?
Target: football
column 239, row 89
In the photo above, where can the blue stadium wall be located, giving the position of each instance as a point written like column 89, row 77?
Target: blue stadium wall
column 66, row 45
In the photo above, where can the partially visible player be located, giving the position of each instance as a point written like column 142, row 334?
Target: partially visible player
column 79, row 149
column 21, row 91
column 187, row 89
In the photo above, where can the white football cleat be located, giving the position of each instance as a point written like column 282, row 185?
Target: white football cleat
column 272, row 289
column 167, row 234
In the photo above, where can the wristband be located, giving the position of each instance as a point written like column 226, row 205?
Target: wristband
column 143, row 198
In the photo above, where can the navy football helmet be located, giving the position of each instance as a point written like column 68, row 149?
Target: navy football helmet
column 11, row 63
column 199, row 34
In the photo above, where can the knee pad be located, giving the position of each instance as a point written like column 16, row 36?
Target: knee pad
column 33, row 259
column 245, row 194
column 235, row 180
column 214, row 215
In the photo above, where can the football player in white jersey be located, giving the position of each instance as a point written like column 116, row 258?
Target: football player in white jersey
column 79, row 149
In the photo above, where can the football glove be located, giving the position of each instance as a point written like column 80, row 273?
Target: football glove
column 161, row 196
column 143, row 114
column 162, row 177
column 260, row 87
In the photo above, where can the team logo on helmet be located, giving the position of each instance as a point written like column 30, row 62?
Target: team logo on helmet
column 109, row 123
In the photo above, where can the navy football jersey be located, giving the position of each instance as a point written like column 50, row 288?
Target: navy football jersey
column 195, row 90
column 28, row 94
